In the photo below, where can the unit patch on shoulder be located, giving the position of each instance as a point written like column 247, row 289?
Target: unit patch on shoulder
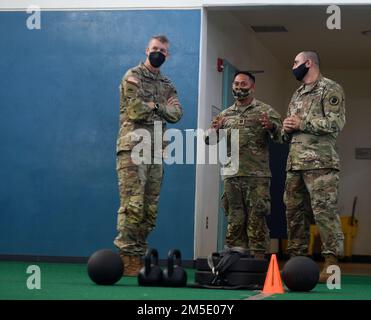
column 334, row 100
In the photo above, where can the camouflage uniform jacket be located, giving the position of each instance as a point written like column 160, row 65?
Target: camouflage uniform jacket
column 321, row 108
column 134, row 110
column 253, row 138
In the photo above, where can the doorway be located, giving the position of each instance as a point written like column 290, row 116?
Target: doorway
column 266, row 39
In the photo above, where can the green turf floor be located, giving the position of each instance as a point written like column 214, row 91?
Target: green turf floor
column 352, row 288
column 70, row 281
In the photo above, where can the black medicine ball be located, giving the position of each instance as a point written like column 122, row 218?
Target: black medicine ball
column 300, row 274
column 105, row 267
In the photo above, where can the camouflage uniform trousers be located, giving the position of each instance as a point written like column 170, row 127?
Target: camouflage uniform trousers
column 311, row 196
column 246, row 202
column 139, row 187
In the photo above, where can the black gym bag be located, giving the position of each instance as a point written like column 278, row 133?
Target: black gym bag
column 232, row 268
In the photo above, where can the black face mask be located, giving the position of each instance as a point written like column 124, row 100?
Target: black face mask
column 300, row 71
column 156, row 59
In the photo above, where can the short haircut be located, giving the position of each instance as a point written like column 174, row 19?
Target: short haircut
column 162, row 38
column 312, row 55
column 247, row 73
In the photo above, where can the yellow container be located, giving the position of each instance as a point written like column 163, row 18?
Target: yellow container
column 349, row 230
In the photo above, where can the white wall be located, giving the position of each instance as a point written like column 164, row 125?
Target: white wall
column 356, row 174
column 227, row 38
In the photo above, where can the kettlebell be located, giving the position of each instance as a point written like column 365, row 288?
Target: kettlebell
column 151, row 273
column 174, row 275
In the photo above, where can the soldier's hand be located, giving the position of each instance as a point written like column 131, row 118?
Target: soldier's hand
column 151, row 105
column 266, row 123
column 291, row 124
column 287, row 125
column 172, row 101
column 217, row 123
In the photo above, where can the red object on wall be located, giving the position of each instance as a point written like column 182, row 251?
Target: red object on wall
column 219, row 65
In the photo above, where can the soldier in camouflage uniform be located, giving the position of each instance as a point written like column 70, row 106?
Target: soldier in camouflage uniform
column 146, row 96
column 246, row 198
column 315, row 117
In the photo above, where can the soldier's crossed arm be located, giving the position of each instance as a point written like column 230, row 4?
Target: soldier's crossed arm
column 172, row 111
column 333, row 119
column 136, row 108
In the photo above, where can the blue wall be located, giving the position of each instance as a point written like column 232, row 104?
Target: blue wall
column 59, row 108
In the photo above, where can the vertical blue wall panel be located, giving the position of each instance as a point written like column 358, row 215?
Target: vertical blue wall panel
column 59, row 111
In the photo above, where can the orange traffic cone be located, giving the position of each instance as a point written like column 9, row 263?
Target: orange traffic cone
column 273, row 282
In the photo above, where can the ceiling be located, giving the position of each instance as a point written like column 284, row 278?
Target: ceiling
column 307, row 30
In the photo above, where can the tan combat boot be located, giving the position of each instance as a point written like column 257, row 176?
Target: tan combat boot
column 126, row 262
column 135, row 265
column 330, row 259
column 132, row 265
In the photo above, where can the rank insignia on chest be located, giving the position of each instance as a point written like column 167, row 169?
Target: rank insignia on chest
column 299, row 104
column 241, row 122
